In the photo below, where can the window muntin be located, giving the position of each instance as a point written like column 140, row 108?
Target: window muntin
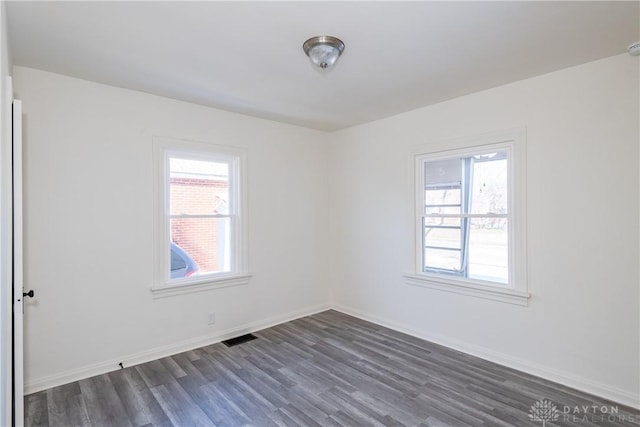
column 465, row 219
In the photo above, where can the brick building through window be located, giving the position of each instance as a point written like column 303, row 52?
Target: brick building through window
column 199, row 189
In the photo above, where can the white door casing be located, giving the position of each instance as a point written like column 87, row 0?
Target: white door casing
column 18, row 288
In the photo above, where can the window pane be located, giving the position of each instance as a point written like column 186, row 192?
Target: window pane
column 442, row 172
column 489, row 249
column 204, row 243
column 442, row 237
column 198, row 187
column 442, row 210
column 489, row 192
column 442, row 196
column 431, row 221
column 442, row 259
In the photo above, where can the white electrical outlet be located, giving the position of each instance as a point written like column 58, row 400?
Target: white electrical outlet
column 211, row 319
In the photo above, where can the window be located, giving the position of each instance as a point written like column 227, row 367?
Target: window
column 200, row 216
column 470, row 218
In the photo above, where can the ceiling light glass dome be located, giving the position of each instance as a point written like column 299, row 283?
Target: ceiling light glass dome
column 323, row 51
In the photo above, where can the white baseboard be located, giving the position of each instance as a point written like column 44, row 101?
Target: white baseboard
column 43, row 383
column 570, row 380
column 614, row 394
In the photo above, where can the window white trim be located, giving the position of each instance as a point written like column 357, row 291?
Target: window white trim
column 469, row 287
column 516, row 291
column 163, row 148
column 200, row 285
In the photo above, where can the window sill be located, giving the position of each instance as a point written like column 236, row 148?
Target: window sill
column 204, row 284
column 510, row 296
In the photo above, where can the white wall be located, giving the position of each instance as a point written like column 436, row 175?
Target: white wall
column 88, row 221
column 582, row 325
column 5, row 214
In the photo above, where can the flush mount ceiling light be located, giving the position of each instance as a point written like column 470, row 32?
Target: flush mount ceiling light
column 323, row 51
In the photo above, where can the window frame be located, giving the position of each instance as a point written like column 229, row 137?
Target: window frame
column 514, row 142
column 163, row 150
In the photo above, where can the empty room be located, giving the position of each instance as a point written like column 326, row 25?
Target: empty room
column 319, row 213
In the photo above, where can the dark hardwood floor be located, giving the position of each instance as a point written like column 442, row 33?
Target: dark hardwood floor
column 328, row 369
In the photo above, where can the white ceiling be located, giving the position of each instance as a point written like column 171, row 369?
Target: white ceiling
column 247, row 57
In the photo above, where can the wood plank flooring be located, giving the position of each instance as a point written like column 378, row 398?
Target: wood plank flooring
column 328, row 369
